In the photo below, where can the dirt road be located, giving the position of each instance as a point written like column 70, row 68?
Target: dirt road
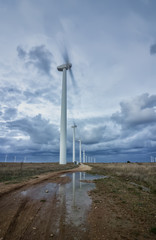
column 6, row 188
column 37, row 210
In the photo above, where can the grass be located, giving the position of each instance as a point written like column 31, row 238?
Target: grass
column 124, row 189
column 140, row 173
column 17, row 172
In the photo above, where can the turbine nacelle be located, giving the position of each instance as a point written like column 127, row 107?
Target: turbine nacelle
column 66, row 66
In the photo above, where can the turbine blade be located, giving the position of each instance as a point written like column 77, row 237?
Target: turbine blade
column 72, row 76
column 65, row 55
column 73, row 80
column 66, row 59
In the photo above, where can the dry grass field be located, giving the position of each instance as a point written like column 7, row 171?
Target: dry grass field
column 124, row 203
column 16, row 172
column 140, row 173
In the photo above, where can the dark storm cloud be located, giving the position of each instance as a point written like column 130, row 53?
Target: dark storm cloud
column 139, row 112
column 98, row 134
column 30, row 135
column 21, row 52
column 46, row 93
column 153, row 49
column 147, row 101
column 10, row 95
column 10, row 113
column 39, row 56
column 129, row 132
column 38, row 129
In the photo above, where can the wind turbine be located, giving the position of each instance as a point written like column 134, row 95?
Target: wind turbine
column 80, row 149
column 74, row 126
column 6, row 157
column 84, row 156
column 63, row 129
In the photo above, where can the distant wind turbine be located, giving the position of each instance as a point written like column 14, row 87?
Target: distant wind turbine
column 84, row 156
column 6, row 157
column 80, row 150
column 74, row 126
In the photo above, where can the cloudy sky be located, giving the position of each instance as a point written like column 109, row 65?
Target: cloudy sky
column 112, row 47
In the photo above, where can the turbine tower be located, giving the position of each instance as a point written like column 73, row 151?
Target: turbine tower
column 80, row 149
column 74, row 126
column 63, row 128
column 84, row 156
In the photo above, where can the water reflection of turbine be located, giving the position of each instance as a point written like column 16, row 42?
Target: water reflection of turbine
column 73, row 189
column 84, row 175
column 62, row 198
column 80, row 179
column 62, row 193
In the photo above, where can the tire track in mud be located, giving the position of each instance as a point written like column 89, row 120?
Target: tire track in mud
column 44, row 221
column 14, row 221
column 25, row 216
column 22, row 237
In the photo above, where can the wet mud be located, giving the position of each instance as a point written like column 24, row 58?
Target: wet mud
column 68, row 206
column 54, row 209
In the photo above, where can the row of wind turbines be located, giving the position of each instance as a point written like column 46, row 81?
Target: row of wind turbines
column 85, row 158
column 63, row 125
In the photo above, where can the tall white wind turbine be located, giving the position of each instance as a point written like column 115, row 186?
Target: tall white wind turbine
column 63, row 128
column 74, row 126
column 80, row 149
column 84, row 156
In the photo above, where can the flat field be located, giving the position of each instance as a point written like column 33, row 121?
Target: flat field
column 17, row 172
column 124, row 203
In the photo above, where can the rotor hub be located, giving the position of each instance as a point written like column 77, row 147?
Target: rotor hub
column 64, row 66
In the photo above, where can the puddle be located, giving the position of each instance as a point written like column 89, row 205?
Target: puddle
column 39, row 192
column 67, row 201
column 75, row 196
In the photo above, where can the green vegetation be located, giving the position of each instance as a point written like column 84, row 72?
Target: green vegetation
column 17, row 172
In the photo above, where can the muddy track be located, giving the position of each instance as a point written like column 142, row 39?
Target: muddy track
column 39, row 210
column 7, row 189
column 30, row 211
column 14, row 220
